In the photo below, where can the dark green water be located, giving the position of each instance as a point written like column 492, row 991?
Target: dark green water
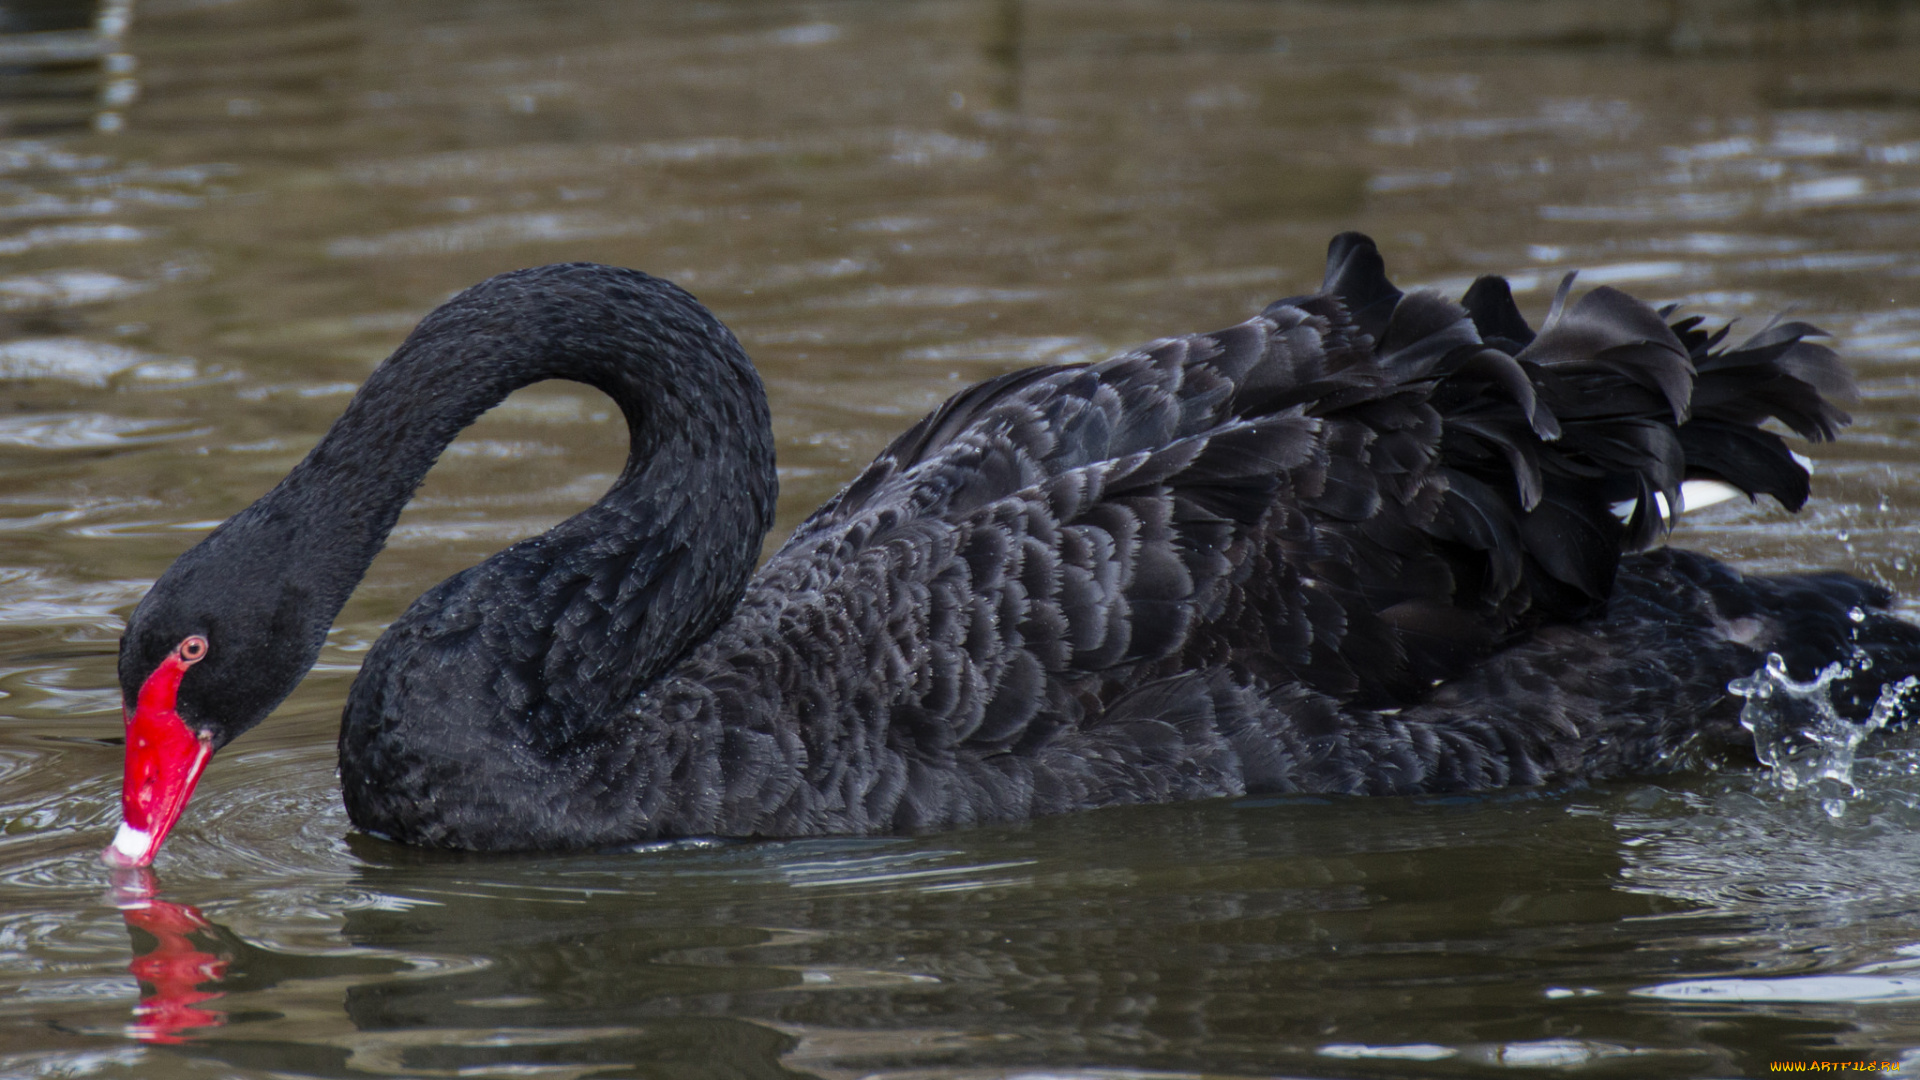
column 215, row 217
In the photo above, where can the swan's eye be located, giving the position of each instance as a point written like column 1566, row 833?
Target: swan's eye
column 193, row 648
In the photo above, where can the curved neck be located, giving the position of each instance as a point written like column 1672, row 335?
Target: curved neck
column 694, row 407
column 691, row 507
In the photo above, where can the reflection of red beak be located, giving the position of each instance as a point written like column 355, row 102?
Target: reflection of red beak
column 164, row 760
column 175, row 968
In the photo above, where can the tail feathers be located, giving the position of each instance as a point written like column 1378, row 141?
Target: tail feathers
column 1754, row 461
column 1489, row 302
column 1776, row 374
column 1786, row 378
column 1608, row 341
column 1358, row 276
column 1545, row 433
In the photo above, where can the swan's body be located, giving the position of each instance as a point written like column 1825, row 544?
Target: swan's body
column 1348, row 546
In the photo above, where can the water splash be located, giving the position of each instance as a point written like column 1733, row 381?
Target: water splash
column 1799, row 735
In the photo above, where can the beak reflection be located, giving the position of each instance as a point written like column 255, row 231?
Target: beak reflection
column 171, row 965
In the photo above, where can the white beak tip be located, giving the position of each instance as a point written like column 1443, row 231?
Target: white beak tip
column 130, row 847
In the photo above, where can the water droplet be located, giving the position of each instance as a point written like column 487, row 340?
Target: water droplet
column 1858, row 614
column 1797, row 733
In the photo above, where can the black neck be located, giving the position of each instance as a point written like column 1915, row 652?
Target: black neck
column 694, row 407
column 687, row 514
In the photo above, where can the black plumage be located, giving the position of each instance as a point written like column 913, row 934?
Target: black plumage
column 1365, row 542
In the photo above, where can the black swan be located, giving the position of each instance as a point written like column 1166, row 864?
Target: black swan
column 1365, row 542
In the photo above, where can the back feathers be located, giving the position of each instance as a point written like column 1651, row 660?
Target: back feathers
column 1361, row 490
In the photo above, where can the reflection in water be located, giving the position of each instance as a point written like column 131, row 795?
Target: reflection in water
column 1003, row 51
column 173, row 968
column 1230, row 939
column 65, row 64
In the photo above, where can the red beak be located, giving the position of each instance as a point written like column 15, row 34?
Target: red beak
column 164, row 761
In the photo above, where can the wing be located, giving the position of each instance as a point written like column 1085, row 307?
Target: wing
column 1242, row 545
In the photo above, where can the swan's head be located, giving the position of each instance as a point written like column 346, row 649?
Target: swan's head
column 216, row 644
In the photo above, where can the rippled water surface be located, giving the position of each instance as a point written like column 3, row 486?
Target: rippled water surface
column 215, row 217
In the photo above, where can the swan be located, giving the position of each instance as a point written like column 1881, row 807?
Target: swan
column 1365, row 542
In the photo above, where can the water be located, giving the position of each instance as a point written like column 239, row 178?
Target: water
column 1801, row 737
column 215, row 217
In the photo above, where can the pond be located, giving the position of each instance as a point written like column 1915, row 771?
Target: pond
column 217, row 215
